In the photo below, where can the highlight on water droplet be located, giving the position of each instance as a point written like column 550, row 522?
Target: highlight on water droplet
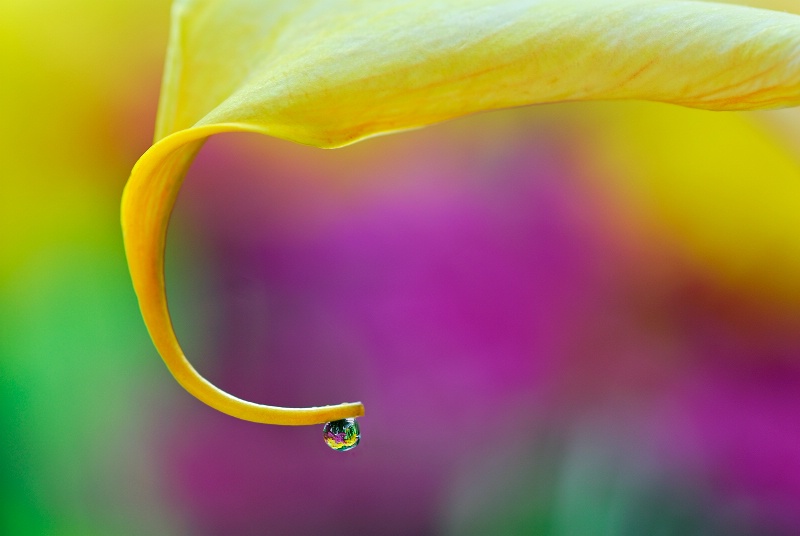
column 341, row 435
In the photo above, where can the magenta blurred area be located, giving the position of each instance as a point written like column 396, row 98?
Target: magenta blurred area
column 490, row 306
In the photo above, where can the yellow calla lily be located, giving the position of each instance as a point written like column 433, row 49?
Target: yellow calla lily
column 331, row 72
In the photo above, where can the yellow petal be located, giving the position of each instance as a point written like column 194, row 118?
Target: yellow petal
column 330, row 72
column 789, row 6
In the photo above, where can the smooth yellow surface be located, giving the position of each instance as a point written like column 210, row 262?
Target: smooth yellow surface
column 331, row 72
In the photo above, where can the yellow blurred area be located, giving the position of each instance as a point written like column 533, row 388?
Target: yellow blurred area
column 722, row 188
column 68, row 69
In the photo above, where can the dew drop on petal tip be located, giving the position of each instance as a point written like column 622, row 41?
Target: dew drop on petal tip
column 341, row 435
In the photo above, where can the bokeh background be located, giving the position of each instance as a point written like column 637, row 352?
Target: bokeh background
column 566, row 320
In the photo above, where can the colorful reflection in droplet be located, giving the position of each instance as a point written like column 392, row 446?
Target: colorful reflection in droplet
column 342, row 435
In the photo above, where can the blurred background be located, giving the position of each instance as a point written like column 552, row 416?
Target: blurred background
column 564, row 320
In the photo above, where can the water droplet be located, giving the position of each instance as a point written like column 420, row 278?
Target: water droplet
column 341, row 435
